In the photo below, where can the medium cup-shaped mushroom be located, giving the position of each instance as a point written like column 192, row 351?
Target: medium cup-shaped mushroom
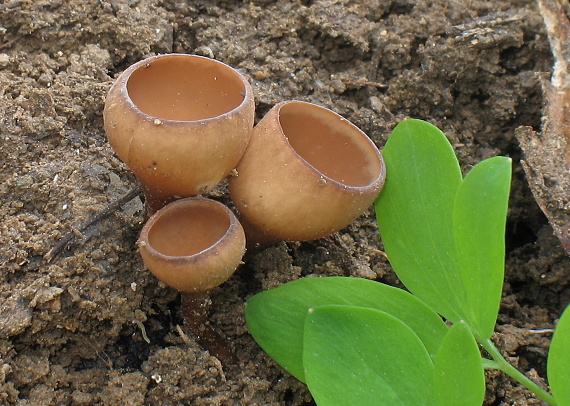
column 307, row 172
column 180, row 122
column 194, row 245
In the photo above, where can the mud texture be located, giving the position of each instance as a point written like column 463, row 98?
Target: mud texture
column 71, row 330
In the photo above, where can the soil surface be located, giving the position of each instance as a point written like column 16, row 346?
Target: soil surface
column 94, row 327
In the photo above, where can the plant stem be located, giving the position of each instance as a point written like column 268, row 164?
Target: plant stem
column 504, row 366
column 490, row 364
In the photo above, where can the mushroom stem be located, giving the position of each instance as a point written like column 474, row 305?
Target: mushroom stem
column 154, row 201
column 195, row 306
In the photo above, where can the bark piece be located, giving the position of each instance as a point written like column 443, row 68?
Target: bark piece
column 547, row 154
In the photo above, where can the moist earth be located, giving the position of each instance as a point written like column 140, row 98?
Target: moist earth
column 94, row 327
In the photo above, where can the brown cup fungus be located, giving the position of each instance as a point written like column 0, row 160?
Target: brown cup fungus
column 193, row 245
column 307, row 173
column 180, row 122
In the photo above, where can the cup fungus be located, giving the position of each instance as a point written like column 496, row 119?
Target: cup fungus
column 180, row 122
column 193, row 245
column 307, row 172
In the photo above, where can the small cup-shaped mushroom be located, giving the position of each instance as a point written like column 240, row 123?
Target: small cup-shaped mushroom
column 307, row 172
column 193, row 244
column 180, row 122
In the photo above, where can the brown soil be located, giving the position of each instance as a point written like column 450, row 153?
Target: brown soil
column 70, row 329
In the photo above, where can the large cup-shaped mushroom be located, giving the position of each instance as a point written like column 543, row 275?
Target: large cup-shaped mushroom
column 193, row 245
column 307, row 172
column 180, row 122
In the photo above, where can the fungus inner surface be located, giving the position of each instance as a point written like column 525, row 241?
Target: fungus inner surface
column 187, row 229
column 185, row 88
column 331, row 144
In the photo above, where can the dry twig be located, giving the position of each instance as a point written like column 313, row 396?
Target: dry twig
column 111, row 208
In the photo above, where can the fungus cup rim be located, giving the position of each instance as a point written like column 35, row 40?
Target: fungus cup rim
column 126, row 75
column 143, row 238
column 379, row 180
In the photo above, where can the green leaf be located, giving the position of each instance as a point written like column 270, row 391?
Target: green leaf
column 480, row 218
column 558, row 367
column 415, row 217
column 276, row 318
column 365, row 357
column 459, row 375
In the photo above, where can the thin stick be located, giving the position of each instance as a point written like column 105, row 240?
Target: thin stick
column 111, row 208
column 364, row 83
column 9, row 43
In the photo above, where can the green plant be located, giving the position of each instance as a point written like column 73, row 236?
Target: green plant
column 359, row 342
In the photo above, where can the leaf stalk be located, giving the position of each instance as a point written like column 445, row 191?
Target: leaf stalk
column 507, row 368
